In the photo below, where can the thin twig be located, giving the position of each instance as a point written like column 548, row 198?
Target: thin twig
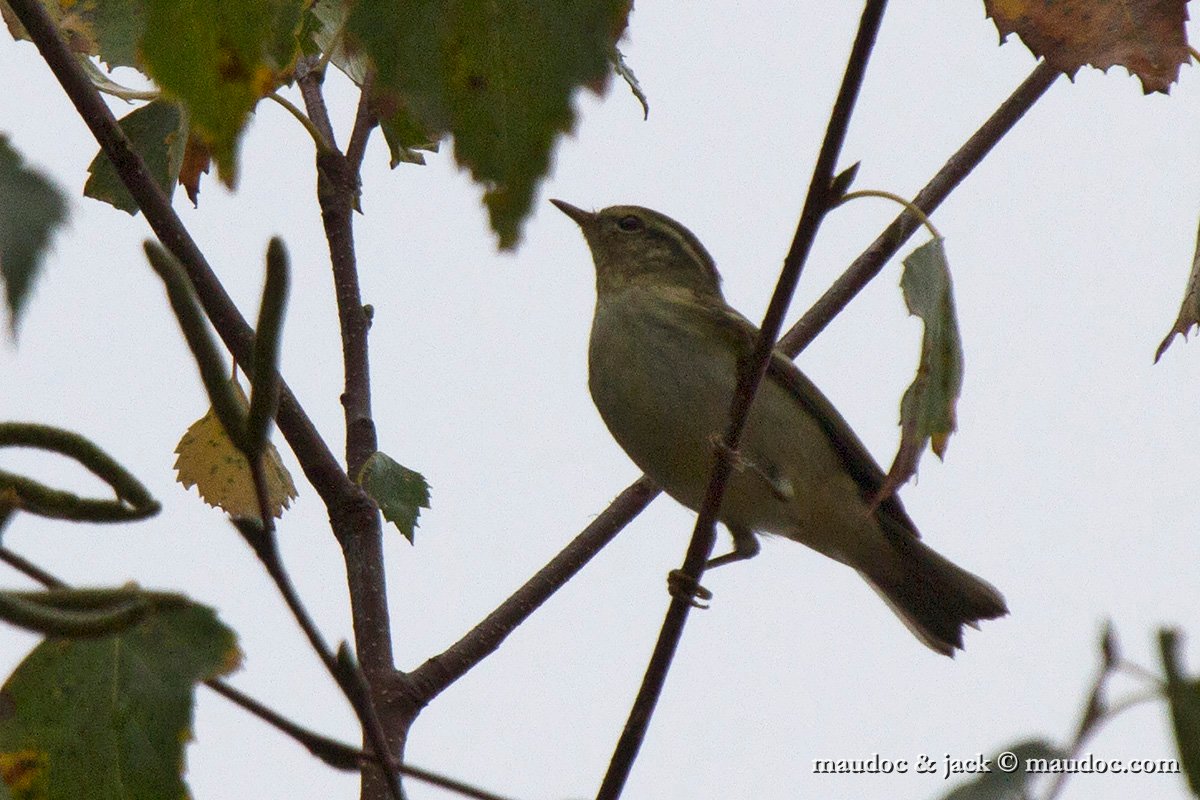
column 330, row 751
column 338, row 754
column 437, row 673
column 266, row 547
column 873, row 259
column 365, row 121
column 453, row 785
column 816, row 204
column 1141, row 673
column 483, row 640
column 318, row 463
column 309, row 80
column 22, row 564
column 318, row 138
column 1094, row 716
column 895, row 198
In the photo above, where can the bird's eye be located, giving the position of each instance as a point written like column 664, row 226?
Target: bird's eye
column 630, row 223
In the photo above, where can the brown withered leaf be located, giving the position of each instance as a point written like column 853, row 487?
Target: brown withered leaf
column 195, row 163
column 1189, row 309
column 1147, row 37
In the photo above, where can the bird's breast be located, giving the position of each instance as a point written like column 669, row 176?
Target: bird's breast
column 662, row 387
column 662, row 375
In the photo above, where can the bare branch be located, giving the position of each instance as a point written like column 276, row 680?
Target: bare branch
column 816, row 204
column 440, row 671
column 365, row 121
column 318, row 463
column 958, row 167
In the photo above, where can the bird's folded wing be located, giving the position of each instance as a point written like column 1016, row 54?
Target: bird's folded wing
column 856, row 459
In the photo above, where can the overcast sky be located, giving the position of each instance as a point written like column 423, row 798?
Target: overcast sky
column 1070, row 484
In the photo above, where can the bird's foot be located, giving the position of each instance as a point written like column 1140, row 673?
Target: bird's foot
column 684, row 587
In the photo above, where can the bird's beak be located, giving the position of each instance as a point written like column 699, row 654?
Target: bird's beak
column 583, row 219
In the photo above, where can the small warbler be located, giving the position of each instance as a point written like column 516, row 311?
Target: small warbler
column 662, row 366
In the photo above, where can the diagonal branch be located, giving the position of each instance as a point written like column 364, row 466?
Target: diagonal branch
column 871, row 262
column 318, row 463
column 437, row 673
column 434, row 676
column 816, row 205
column 350, row 510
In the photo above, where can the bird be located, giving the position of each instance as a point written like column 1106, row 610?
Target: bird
column 663, row 358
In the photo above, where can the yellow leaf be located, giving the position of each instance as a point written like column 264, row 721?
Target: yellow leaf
column 209, row 461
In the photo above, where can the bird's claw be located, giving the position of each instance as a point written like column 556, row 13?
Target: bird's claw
column 684, row 587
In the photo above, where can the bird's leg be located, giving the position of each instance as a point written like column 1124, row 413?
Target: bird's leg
column 685, row 587
column 745, row 545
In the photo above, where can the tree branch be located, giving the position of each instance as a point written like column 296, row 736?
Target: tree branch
column 310, row 80
column 350, row 510
column 30, row 570
column 365, row 121
column 318, row 463
column 440, row 671
column 337, row 190
column 816, row 204
column 959, row 165
column 329, row 751
column 429, row 679
column 359, row 534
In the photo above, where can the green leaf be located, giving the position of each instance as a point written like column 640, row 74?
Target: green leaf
column 219, row 57
column 32, row 209
column 115, row 26
column 283, row 44
column 158, row 133
column 1008, row 778
column 1183, row 694
column 119, row 25
column 109, row 29
column 499, row 77
column 405, row 138
column 400, row 492
column 1189, row 309
column 108, row 717
column 404, row 135
column 927, row 410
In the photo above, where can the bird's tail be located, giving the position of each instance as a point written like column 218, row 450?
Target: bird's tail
column 935, row 597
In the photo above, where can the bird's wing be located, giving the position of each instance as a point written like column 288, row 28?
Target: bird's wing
column 856, row 458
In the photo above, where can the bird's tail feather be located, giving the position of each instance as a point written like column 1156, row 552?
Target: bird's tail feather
column 935, row 597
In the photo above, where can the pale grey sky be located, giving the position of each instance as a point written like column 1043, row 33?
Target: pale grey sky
column 1070, row 485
